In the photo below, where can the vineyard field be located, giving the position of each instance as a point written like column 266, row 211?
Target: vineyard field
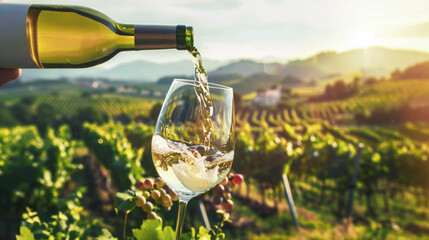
column 110, row 104
column 348, row 178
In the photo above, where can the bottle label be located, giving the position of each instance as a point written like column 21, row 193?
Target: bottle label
column 14, row 51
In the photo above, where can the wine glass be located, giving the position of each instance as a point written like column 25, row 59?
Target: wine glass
column 184, row 162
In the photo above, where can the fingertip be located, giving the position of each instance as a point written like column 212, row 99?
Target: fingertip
column 7, row 75
column 16, row 73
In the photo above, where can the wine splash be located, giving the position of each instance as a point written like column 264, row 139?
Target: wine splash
column 203, row 96
column 189, row 169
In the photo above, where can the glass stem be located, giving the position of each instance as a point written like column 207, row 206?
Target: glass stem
column 180, row 217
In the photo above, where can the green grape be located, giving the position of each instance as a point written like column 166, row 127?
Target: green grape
column 156, row 194
column 159, row 183
column 166, row 199
column 230, row 176
column 146, row 194
column 173, row 196
column 147, row 207
column 140, row 201
column 152, row 215
column 162, row 191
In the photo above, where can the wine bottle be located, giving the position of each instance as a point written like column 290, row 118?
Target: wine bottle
column 48, row 36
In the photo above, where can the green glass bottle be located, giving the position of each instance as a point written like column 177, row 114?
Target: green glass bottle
column 47, row 36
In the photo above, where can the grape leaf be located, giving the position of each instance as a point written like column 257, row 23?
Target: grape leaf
column 152, row 229
column 169, row 233
column 106, row 235
column 203, row 234
column 124, row 201
column 25, row 234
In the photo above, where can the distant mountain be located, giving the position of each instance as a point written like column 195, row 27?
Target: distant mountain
column 264, row 81
column 220, row 78
column 374, row 61
column 136, row 71
column 243, row 68
column 378, row 60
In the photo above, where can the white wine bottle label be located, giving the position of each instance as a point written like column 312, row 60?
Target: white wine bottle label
column 14, row 51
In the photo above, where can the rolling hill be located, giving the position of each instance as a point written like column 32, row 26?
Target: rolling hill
column 140, row 70
column 374, row 61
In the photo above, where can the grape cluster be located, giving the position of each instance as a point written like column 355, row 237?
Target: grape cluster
column 222, row 191
column 160, row 193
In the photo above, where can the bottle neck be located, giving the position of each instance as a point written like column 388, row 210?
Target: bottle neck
column 148, row 37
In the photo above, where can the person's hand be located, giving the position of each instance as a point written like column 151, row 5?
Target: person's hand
column 7, row 75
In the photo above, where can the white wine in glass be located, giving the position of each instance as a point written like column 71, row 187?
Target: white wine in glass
column 181, row 154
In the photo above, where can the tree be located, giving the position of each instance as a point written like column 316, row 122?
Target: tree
column 395, row 74
column 28, row 100
column 85, row 114
column 22, row 112
column 85, row 94
column 370, row 81
column 45, row 117
column 7, row 119
column 89, row 114
column 123, row 118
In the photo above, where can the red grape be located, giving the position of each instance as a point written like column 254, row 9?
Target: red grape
column 148, row 184
column 140, row 186
column 238, row 179
column 224, row 181
column 218, row 190
column 217, row 200
column 228, row 205
column 166, row 188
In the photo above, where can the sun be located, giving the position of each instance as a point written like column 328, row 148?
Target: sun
column 364, row 39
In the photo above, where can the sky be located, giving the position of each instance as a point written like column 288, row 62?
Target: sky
column 272, row 30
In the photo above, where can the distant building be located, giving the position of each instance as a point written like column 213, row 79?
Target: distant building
column 145, row 92
column 269, row 97
column 157, row 93
column 126, row 90
column 88, row 83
